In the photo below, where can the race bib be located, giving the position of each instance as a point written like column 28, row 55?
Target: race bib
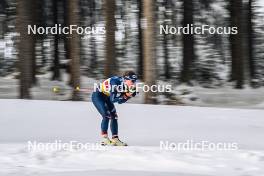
column 106, row 87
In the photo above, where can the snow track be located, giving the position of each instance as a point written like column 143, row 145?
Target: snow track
column 16, row 159
column 142, row 126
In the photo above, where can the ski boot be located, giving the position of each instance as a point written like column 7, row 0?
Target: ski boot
column 116, row 142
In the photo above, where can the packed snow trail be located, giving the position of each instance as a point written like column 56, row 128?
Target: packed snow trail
column 142, row 127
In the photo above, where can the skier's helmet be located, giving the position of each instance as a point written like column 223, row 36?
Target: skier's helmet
column 130, row 79
column 130, row 75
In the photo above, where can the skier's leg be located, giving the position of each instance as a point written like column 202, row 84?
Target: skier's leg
column 114, row 128
column 100, row 104
column 114, row 117
column 114, row 124
column 104, row 126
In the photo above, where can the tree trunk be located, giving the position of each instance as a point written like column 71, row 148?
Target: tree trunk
column 37, row 10
column 93, row 65
column 110, row 55
column 149, row 50
column 74, row 48
column 166, row 58
column 188, row 43
column 250, row 38
column 66, row 42
column 140, row 43
column 26, row 46
column 237, row 73
column 3, row 24
column 56, row 62
column 167, row 74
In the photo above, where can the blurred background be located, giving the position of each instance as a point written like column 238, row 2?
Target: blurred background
column 210, row 70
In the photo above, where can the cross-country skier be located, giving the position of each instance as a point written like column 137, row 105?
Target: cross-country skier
column 112, row 90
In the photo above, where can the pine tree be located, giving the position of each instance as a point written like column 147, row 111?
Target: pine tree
column 237, row 73
column 167, row 71
column 26, row 46
column 188, row 43
column 110, row 55
column 56, row 61
column 250, row 39
column 140, row 42
column 149, row 52
column 74, row 49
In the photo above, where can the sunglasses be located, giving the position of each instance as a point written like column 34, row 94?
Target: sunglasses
column 133, row 79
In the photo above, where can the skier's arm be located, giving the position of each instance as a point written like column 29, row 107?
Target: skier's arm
column 125, row 97
column 120, row 97
column 113, row 97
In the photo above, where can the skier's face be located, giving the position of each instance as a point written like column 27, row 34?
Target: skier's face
column 130, row 87
column 129, row 83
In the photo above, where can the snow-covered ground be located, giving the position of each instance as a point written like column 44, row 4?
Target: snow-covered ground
column 225, row 96
column 142, row 127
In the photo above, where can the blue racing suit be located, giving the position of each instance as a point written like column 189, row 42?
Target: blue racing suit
column 104, row 98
